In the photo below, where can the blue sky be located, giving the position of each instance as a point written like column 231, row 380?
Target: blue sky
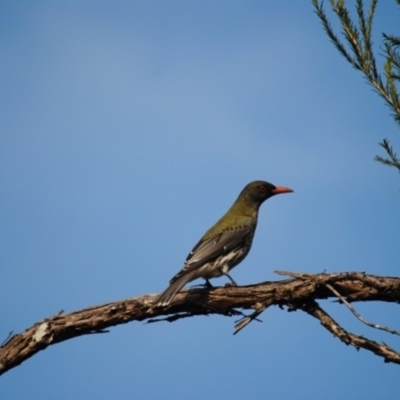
column 126, row 130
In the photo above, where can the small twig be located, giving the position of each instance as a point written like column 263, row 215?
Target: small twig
column 289, row 273
column 7, row 339
column 242, row 323
column 302, row 276
column 97, row 331
column 58, row 314
column 171, row 318
column 359, row 316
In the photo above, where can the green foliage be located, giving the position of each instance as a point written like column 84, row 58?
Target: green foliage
column 359, row 53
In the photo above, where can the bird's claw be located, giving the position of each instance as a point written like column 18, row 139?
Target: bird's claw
column 206, row 285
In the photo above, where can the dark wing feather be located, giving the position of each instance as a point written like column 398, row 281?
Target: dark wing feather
column 211, row 248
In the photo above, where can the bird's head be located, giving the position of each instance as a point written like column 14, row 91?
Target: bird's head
column 258, row 191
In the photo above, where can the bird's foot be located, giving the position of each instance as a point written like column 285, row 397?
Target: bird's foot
column 230, row 284
column 208, row 284
column 205, row 285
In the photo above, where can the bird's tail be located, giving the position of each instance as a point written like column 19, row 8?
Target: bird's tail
column 176, row 285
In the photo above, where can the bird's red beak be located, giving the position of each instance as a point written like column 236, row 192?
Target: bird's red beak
column 281, row 189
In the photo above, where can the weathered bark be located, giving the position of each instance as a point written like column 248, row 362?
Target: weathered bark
column 301, row 292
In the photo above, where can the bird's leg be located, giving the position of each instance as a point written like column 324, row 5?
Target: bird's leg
column 208, row 284
column 232, row 281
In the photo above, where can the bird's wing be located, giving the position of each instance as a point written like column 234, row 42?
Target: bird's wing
column 214, row 247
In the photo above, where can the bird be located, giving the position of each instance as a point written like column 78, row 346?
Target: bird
column 226, row 243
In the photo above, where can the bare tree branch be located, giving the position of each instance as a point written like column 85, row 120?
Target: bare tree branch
column 311, row 307
column 299, row 292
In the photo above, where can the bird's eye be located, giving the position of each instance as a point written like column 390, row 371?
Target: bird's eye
column 263, row 188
